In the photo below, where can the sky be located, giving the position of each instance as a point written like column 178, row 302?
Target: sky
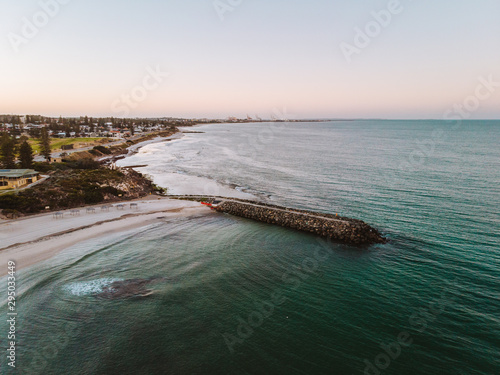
column 399, row 59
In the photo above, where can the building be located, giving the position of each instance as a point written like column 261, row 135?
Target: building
column 16, row 178
column 116, row 134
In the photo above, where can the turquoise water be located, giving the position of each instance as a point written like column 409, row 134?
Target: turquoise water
column 232, row 296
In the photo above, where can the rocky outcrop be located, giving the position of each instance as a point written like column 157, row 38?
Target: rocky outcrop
column 341, row 229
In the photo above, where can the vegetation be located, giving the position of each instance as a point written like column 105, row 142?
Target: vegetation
column 7, row 151
column 102, row 150
column 45, row 144
column 75, row 184
column 57, row 143
column 25, row 155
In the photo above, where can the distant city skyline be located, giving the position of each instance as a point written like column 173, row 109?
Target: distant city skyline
column 218, row 58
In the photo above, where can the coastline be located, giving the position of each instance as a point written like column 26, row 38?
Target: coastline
column 35, row 238
column 178, row 183
column 39, row 237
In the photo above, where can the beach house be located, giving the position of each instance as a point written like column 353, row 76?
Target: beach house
column 16, row 178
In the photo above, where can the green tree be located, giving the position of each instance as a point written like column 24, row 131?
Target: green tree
column 45, row 143
column 7, row 149
column 26, row 155
column 34, row 133
column 77, row 129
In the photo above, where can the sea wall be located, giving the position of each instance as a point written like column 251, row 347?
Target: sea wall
column 340, row 229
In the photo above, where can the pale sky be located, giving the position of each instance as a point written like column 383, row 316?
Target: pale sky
column 219, row 58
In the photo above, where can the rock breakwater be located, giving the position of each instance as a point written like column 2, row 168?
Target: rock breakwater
column 340, row 229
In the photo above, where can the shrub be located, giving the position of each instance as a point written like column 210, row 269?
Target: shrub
column 42, row 167
column 60, row 166
column 10, row 201
column 86, row 163
column 22, row 203
column 111, row 190
column 102, row 149
column 93, row 196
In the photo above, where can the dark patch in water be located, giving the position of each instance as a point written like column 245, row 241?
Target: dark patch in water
column 129, row 288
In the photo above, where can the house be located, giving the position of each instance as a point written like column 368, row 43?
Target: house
column 115, row 134
column 16, row 178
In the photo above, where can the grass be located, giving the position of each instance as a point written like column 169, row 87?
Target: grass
column 56, row 143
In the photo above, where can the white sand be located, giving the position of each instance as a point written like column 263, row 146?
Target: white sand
column 33, row 239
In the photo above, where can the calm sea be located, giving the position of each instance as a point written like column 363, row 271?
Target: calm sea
column 233, row 296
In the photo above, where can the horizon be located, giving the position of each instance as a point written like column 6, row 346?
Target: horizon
column 304, row 119
column 393, row 60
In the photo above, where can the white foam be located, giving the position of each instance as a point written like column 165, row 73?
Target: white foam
column 85, row 288
column 181, row 183
column 182, row 166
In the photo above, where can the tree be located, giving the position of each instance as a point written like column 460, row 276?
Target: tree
column 34, row 133
column 45, row 144
column 77, row 129
column 26, row 155
column 7, row 147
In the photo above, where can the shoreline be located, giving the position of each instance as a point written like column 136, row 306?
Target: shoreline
column 37, row 238
column 181, row 183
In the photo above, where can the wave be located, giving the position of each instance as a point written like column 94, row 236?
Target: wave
column 86, row 288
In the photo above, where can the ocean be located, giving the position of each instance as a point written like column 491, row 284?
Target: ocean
column 234, row 296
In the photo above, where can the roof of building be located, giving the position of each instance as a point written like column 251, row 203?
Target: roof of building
column 17, row 173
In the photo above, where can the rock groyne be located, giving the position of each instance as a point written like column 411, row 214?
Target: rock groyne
column 341, row 229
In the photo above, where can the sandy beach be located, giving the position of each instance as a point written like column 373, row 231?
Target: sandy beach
column 32, row 239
